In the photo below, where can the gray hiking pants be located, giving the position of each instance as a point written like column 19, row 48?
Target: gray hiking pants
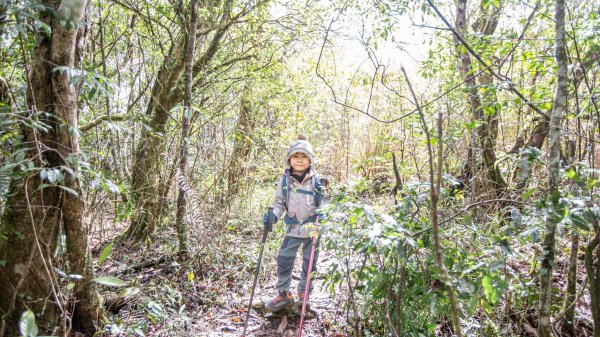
column 285, row 262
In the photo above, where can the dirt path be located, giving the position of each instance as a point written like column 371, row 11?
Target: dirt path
column 215, row 303
column 228, row 320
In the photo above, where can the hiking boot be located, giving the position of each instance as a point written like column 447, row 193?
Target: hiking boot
column 283, row 299
column 301, row 300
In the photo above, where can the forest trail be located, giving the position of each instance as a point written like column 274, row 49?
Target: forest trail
column 228, row 320
column 213, row 302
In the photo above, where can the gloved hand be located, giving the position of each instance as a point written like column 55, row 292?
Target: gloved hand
column 265, row 220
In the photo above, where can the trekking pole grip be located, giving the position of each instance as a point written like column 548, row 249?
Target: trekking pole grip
column 269, row 225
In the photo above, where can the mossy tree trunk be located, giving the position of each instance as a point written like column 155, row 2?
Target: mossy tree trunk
column 185, row 133
column 554, row 140
column 149, row 161
column 35, row 216
column 166, row 94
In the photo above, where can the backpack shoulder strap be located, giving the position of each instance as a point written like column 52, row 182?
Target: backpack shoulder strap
column 285, row 187
column 318, row 189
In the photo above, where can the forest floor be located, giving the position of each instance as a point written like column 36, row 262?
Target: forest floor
column 229, row 321
column 207, row 293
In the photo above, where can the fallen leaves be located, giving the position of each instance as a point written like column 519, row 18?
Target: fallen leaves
column 282, row 325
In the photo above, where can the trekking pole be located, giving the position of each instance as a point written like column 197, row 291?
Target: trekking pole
column 267, row 228
column 307, row 286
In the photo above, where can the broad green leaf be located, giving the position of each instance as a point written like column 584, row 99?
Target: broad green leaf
column 139, row 332
column 580, row 221
column 110, row 281
column 19, row 235
column 27, row 326
column 42, row 186
column 129, row 292
column 490, row 290
column 112, row 187
column 105, row 252
column 115, row 330
column 571, row 173
column 528, row 194
column 42, row 26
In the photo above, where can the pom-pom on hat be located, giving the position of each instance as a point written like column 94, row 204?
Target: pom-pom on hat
column 300, row 145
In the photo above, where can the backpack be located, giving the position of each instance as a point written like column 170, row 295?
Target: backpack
column 318, row 191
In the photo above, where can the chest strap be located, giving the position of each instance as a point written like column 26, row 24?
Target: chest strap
column 293, row 221
column 299, row 190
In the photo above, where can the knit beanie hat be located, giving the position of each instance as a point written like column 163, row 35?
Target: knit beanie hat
column 300, row 145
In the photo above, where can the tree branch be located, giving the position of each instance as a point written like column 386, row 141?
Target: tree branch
column 511, row 84
column 99, row 120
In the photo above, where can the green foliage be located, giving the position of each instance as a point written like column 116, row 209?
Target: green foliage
column 27, row 326
column 105, row 252
column 580, row 210
column 162, row 304
column 15, row 161
column 383, row 266
column 383, row 254
column 19, row 163
column 22, row 17
column 528, row 157
column 100, row 183
column 155, row 311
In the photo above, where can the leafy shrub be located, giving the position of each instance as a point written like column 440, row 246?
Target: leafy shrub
column 386, row 273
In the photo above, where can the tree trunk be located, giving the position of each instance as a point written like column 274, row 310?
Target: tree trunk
column 592, row 268
column 148, row 161
column 4, row 94
column 399, row 295
column 166, row 94
column 398, row 185
column 486, row 25
column 567, row 324
column 34, row 217
column 187, row 102
column 548, row 251
column 482, row 153
column 238, row 166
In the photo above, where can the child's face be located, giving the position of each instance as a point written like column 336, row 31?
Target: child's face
column 299, row 162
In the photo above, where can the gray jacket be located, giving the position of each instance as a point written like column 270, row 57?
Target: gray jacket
column 301, row 207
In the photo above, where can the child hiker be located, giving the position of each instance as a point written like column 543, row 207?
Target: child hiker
column 299, row 195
